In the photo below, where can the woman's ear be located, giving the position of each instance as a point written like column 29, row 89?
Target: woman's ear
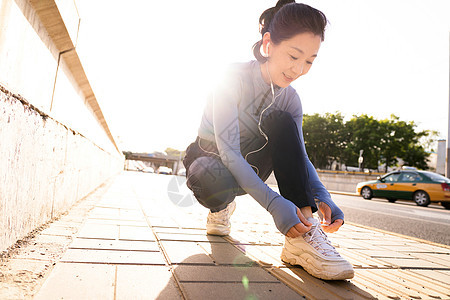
column 265, row 44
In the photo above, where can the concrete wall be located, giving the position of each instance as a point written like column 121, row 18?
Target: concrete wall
column 343, row 182
column 337, row 181
column 55, row 146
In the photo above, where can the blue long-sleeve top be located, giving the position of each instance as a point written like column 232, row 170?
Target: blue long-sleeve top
column 231, row 119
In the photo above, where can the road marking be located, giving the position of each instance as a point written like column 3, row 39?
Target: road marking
column 393, row 215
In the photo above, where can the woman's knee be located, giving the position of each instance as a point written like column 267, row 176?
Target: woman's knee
column 212, row 183
column 279, row 122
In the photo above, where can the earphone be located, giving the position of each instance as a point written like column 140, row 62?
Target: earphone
column 259, row 123
column 264, row 110
column 265, row 53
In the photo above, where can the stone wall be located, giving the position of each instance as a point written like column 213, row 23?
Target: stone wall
column 343, row 181
column 55, row 144
column 337, row 181
column 45, row 167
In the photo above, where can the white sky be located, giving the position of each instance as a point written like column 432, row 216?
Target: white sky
column 151, row 63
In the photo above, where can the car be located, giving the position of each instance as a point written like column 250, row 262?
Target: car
column 148, row 170
column 182, row 172
column 164, row 170
column 421, row 186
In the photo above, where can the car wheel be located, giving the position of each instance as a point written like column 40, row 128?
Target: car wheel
column 366, row 193
column 421, row 198
column 392, row 200
column 446, row 205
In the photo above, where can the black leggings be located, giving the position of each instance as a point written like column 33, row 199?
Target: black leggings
column 215, row 187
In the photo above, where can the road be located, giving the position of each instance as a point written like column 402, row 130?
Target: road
column 430, row 223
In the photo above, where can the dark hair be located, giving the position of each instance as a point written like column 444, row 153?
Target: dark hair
column 287, row 19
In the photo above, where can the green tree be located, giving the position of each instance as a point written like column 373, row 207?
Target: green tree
column 362, row 133
column 383, row 141
column 324, row 137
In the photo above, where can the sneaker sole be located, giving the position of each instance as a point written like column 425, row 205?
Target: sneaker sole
column 217, row 230
column 293, row 259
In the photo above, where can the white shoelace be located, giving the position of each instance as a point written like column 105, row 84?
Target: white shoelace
column 220, row 217
column 319, row 240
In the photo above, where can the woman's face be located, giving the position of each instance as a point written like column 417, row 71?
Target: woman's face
column 290, row 59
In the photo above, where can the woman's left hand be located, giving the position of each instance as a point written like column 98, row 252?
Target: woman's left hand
column 327, row 226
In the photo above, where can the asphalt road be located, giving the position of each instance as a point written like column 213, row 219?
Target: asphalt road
column 430, row 223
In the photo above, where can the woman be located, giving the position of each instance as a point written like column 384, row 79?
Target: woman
column 251, row 126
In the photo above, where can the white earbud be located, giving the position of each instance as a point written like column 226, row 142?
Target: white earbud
column 264, row 53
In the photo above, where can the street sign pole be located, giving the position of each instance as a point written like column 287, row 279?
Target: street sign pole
column 447, row 164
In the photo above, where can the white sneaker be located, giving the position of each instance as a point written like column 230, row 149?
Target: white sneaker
column 314, row 252
column 218, row 223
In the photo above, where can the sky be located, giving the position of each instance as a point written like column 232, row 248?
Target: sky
column 151, row 64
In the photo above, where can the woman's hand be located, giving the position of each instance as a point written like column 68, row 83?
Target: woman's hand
column 327, row 226
column 300, row 228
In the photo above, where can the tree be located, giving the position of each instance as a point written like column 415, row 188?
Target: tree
column 362, row 133
column 324, row 137
column 383, row 141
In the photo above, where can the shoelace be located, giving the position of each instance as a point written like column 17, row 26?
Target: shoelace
column 319, row 240
column 221, row 217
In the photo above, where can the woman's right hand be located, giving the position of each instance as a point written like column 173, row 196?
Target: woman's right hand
column 300, row 228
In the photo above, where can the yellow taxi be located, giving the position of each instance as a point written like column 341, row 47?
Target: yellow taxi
column 421, row 186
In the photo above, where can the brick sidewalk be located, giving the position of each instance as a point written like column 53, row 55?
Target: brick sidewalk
column 138, row 244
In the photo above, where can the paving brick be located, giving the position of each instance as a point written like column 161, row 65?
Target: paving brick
column 371, row 290
column 140, row 223
column 79, row 281
column 251, row 290
column 395, row 285
column 114, row 245
column 102, row 212
column 136, row 233
column 265, row 255
column 353, row 244
column 223, row 273
column 225, row 253
column 186, row 253
column 45, row 238
column 412, row 263
column 104, row 231
column 108, row 202
column 364, row 261
column 423, row 284
column 145, row 282
column 314, row 288
column 190, row 237
column 383, row 253
column 385, row 243
column 180, row 230
column 431, row 248
column 245, row 237
column 113, row 257
column 443, row 260
column 62, row 230
column 166, row 222
column 131, row 214
column 439, row 278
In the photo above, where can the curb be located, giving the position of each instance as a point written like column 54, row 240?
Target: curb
column 344, row 193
